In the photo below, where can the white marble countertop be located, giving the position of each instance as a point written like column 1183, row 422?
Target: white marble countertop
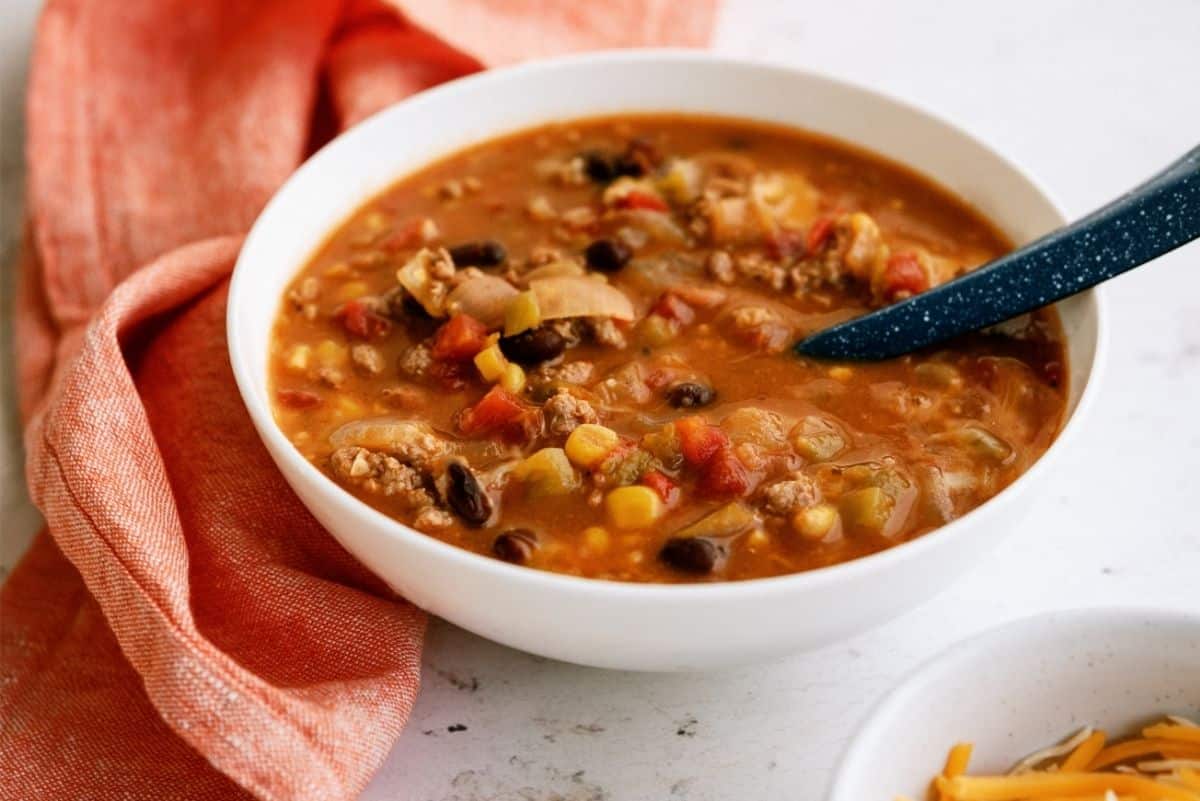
column 1092, row 97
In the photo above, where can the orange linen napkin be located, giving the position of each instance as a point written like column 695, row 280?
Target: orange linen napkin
column 184, row 629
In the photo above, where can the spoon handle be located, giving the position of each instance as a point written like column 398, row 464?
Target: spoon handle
column 1156, row 217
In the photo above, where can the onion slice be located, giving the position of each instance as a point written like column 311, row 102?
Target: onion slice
column 568, row 296
column 484, row 297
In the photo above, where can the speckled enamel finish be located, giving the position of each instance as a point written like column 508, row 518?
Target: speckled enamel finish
column 1157, row 217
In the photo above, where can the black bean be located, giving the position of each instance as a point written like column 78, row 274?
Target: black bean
column 533, row 346
column 607, row 255
column 484, row 253
column 690, row 554
column 465, row 496
column 626, row 166
column 599, row 167
column 411, row 307
column 515, row 545
column 689, row 394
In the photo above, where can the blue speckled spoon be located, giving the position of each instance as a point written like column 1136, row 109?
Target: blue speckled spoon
column 1157, row 217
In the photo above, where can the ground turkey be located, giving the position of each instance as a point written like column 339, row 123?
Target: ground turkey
column 564, row 413
column 379, row 473
column 791, row 495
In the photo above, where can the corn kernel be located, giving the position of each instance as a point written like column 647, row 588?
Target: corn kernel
column 840, row 373
column 633, row 507
column 298, row 359
column 595, row 539
column 338, row 269
column 657, row 330
column 331, row 354
column 513, row 379
column 375, row 221
column 351, row 290
column 349, row 407
column 589, row 443
column 815, row 522
column 522, row 314
column 491, row 363
column 757, row 538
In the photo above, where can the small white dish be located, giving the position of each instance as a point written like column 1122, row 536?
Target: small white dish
column 1021, row 687
column 603, row 623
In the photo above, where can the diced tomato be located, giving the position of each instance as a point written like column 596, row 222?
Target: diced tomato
column 785, row 244
column 819, row 233
column 904, row 273
column 460, row 338
column 642, row 200
column 673, row 307
column 495, row 411
column 298, row 398
column 452, row 376
column 698, row 441
column 362, row 322
column 667, row 489
column 723, row 475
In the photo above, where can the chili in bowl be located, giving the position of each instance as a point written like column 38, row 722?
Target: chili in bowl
column 562, row 342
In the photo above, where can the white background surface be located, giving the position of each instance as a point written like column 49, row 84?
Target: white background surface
column 1091, row 97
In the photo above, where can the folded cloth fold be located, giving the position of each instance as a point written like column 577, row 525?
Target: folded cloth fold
column 184, row 629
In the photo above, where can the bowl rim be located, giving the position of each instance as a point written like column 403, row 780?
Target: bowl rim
column 456, row 557
column 948, row 660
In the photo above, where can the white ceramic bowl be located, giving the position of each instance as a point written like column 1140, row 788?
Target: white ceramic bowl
column 1021, row 687
column 608, row 624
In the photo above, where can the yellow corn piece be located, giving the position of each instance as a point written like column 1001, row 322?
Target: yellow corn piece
column 1084, row 753
column 522, row 314
column 491, row 363
column 815, row 522
column 348, row 407
column 513, row 379
column 351, row 290
column 757, row 538
column 589, row 443
column 657, row 330
column 633, row 507
column 297, row 360
column 331, row 354
column 596, row 539
column 841, row 373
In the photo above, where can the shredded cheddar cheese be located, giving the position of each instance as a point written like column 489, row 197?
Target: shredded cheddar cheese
column 1163, row 764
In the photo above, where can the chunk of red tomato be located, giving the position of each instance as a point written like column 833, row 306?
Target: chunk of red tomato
column 642, row 200
column 459, row 339
column 819, row 233
column 699, row 441
column 667, row 489
column 498, row 410
column 723, row 476
column 904, row 275
column 360, row 321
column 673, row 307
